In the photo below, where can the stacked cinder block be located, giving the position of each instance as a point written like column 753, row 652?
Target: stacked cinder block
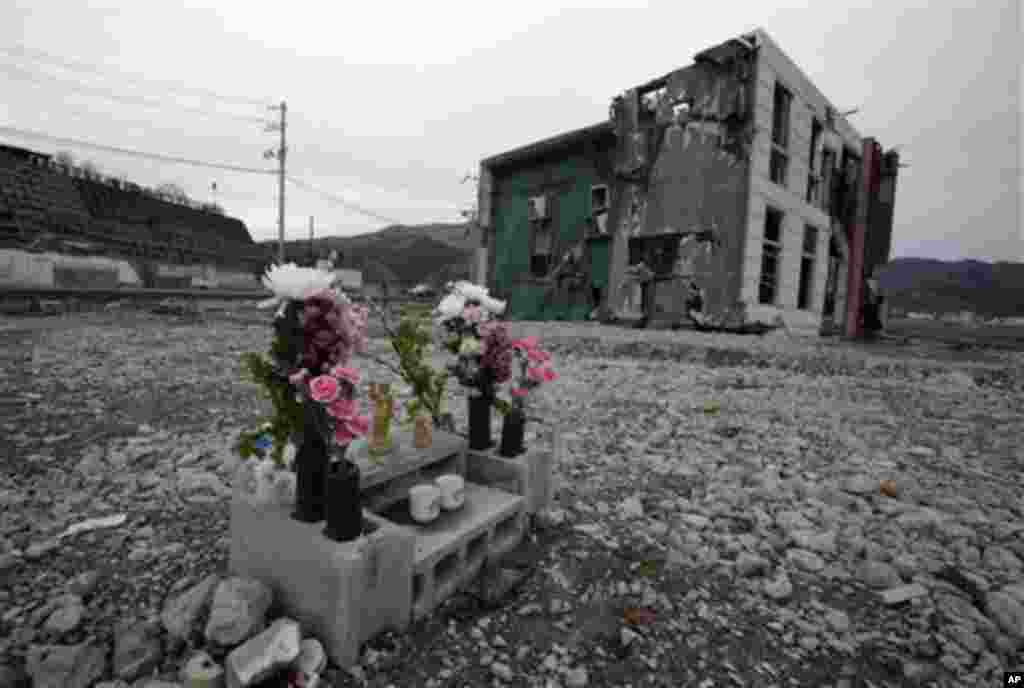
column 450, row 552
column 344, row 593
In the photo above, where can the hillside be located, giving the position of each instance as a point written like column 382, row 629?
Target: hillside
column 935, row 286
column 432, row 253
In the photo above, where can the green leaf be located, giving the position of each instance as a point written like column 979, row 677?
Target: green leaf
column 648, row 568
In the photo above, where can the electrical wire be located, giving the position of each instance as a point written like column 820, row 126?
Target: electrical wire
column 27, row 75
column 78, row 65
column 13, row 131
column 346, row 204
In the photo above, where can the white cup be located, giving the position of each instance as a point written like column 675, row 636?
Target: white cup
column 453, row 490
column 424, row 503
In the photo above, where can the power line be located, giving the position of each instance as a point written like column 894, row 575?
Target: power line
column 34, row 77
column 346, row 204
column 13, row 131
column 78, row 65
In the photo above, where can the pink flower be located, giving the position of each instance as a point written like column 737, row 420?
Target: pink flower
column 472, row 314
column 360, row 425
column 538, row 356
column 342, row 435
column 526, row 344
column 346, row 374
column 342, row 408
column 519, row 392
column 550, row 375
column 298, row 377
column 535, row 374
column 324, row 389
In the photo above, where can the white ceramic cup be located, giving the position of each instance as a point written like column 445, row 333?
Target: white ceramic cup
column 424, row 502
column 453, row 490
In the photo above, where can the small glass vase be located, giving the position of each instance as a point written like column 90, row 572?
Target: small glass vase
column 480, row 423
column 344, row 503
column 512, row 431
column 380, row 442
column 424, row 431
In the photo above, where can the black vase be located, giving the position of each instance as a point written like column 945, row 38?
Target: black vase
column 311, row 461
column 480, row 423
column 512, row 433
column 344, row 508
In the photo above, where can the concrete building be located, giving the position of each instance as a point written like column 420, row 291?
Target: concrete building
column 731, row 187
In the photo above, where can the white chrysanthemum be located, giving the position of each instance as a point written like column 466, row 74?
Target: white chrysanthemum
column 291, row 282
column 474, row 292
column 450, row 307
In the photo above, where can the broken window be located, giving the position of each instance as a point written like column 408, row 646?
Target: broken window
column 598, row 198
column 771, row 254
column 540, row 257
column 780, row 116
column 779, row 166
column 781, row 105
column 828, row 163
column 807, row 260
column 813, row 176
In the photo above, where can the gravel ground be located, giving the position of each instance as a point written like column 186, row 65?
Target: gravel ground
column 719, row 520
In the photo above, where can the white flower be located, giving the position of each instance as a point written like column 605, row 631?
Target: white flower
column 493, row 305
column 450, row 307
column 470, row 291
column 290, row 282
column 474, row 292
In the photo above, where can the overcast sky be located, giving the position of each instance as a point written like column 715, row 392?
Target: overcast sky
column 391, row 104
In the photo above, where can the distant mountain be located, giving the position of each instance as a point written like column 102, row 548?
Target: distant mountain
column 936, row 286
column 413, row 254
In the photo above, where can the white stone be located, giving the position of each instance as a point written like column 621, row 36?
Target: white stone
column 238, row 610
column 264, row 654
column 576, row 678
column 631, row 507
column 803, row 559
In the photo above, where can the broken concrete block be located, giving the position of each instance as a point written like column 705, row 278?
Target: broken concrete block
column 137, row 650
column 202, row 672
column 902, row 593
column 238, row 610
column 182, row 614
column 66, row 666
column 260, row 657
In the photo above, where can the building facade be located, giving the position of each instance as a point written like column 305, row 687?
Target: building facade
column 732, row 187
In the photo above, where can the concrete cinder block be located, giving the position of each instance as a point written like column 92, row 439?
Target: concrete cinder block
column 529, row 474
column 343, row 593
column 451, row 551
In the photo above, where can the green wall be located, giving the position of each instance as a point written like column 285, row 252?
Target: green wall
column 566, row 180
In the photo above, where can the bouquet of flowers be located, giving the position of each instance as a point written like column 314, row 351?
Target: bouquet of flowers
column 307, row 376
column 481, row 344
column 534, row 370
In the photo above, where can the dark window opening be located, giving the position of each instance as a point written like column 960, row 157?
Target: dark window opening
column 780, row 116
column 828, row 163
column 779, row 167
column 771, row 253
column 807, row 262
column 540, row 257
column 598, row 198
column 813, row 175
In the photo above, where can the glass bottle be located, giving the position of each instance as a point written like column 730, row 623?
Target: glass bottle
column 380, row 442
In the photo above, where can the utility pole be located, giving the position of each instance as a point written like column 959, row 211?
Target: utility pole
column 281, row 155
column 312, row 252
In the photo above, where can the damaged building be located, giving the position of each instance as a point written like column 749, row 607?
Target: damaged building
column 727, row 192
